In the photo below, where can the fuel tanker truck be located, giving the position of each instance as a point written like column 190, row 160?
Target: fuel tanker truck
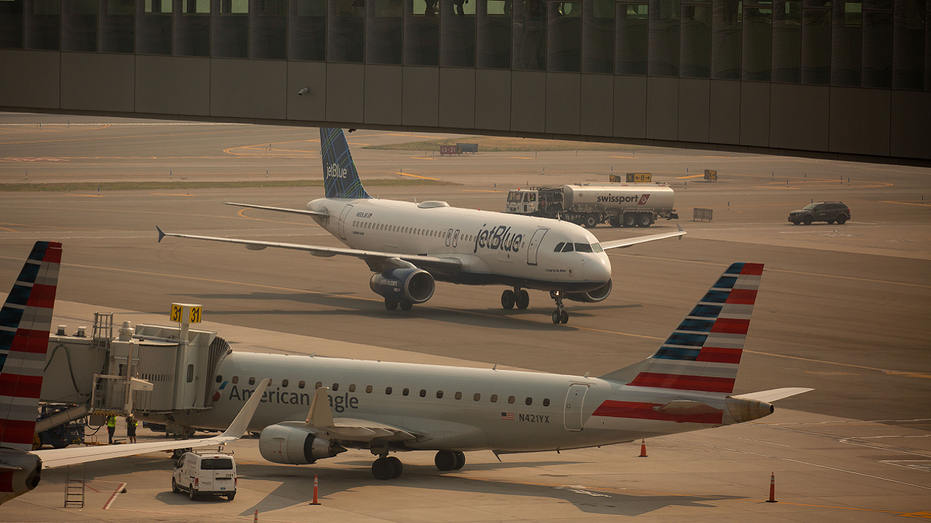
column 627, row 205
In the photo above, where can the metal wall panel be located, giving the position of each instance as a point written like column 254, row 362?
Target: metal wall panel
column 562, row 103
column 97, row 82
column 662, row 108
column 30, row 79
column 694, row 101
column 457, row 98
column 630, row 106
column 860, row 121
column 248, row 88
column 754, row 114
column 493, row 99
column 911, row 124
column 596, row 116
column 173, row 85
column 312, row 104
column 383, row 94
column 528, row 101
column 345, row 93
column 724, row 112
column 420, row 91
column 799, row 117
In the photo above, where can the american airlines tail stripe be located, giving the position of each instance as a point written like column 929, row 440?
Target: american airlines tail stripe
column 6, row 481
column 17, row 431
column 705, row 311
column 707, row 369
column 731, row 326
column 742, row 296
column 683, row 382
column 637, row 410
column 720, row 355
column 752, row 269
column 16, row 385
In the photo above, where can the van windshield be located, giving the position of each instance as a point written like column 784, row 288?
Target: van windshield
column 514, row 196
column 216, row 464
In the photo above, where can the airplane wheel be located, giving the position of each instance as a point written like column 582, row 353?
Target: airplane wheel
column 382, row 469
column 445, row 460
column 557, row 317
column 507, row 299
column 396, row 467
column 390, row 304
column 564, row 317
column 460, row 459
column 523, row 299
column 406, row 305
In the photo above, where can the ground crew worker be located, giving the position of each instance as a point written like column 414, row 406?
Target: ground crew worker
column 131, row 425
column 111, row 427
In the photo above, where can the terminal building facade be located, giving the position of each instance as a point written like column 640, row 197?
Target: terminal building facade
column 823, row 78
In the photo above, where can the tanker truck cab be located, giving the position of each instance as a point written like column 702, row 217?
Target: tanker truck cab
column 205, row 473
column 522, row 201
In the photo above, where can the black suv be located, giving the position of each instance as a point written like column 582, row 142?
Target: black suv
column 821, row 212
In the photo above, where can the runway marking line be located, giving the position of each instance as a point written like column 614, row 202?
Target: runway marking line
column 418, row 176
column 114, row 495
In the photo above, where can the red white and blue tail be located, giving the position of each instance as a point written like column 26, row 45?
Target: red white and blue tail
column 25, row 321
column 704, row 351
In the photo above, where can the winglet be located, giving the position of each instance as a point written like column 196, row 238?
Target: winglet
column 241, row 423
column 160, row 234
column 320, row 414
column 681, row 230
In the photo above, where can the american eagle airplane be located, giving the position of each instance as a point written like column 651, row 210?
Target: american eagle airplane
column 409, row 246
column 318, row 407
column 24, row 330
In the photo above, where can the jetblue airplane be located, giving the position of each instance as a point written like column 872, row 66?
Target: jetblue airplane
column 410, row 246
column 318, row 407
column 25, row 321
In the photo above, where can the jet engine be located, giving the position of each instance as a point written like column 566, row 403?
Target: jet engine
column 404, row 284
column 295, row 445
column 596, row 295
column 25, row 476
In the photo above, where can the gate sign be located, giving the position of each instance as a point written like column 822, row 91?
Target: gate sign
column 186, row 312
column 639, row 177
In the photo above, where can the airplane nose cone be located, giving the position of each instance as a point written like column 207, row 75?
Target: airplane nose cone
column 597, row 269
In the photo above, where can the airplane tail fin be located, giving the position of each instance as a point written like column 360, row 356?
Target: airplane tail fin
column 704, row 351
column 25, row 321
column 340, row 178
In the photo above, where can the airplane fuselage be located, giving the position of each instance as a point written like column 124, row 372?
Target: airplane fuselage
column 458, row 408
column 494, row 248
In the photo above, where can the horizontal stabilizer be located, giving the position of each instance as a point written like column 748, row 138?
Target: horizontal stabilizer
column 772, row 395
column 278, row 209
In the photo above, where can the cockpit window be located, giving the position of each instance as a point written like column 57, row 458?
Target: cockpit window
column 597, row 247
column 583, row 247
column 567, row 248
column 559, row 247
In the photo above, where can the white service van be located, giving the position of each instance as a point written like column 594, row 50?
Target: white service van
column 203, row 472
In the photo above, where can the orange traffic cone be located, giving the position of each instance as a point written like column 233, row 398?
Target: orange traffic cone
column 772, row 489
column 643, row 448
column 315, row 491
column 256, row 518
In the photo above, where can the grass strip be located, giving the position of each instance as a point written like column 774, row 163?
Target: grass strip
column 163, row 186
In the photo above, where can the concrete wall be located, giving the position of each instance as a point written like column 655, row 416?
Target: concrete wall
column 830, row 122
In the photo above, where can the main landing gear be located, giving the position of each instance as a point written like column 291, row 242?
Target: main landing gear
column 393, row 304
column 517, row 297
column 390, row 467
column 559, row 315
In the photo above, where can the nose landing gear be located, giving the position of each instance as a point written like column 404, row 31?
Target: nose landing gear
column 559, row 315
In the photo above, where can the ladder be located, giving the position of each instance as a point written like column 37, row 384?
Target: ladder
column 74, row 489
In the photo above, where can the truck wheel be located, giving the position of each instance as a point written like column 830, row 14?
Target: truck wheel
column 192, row 492
column 174, row 486
column 615, row 221
column 807, row 220
column 629, row 220
column 645, row 220
column 591, row 221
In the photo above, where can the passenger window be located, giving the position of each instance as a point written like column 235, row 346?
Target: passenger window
column 368, row 389
column 546, row 402
column 559, row 247
column 458, row 395
column 388, row 390
column 423, row 393
column 406, row 391
column 477, row 397
column 510, row 399
column 583, row 247
column 567, row 248
column 529, row 400
column 251, row 381
column 284, row 383
column 301, row 384
column 439, row 394
column 219, row 379
column 494, row 398
column 352, row 387
column 235, row 380
column 335, row 387
column 318, row 385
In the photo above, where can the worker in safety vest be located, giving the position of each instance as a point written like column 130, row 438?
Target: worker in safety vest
column 131, row 425
column 111, row 427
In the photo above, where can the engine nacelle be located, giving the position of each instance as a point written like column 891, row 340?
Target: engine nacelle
column 594, row 296
column 19, row 482
column 402, row 284
column 295, row 445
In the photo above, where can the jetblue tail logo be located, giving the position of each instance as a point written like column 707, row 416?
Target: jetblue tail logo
column 340, row 178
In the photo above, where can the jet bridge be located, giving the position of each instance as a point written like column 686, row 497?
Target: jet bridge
column 143, row 370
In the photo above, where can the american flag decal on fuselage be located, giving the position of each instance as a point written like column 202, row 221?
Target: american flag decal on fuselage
column 703, row 353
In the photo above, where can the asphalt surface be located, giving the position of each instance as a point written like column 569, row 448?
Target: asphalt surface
column 842, row 309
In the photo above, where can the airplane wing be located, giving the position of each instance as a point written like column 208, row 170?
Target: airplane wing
column 320, row 420
column 772, row 395
column 376, row 260
column 70, row 456
column 279, row 209
column 616, row 244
